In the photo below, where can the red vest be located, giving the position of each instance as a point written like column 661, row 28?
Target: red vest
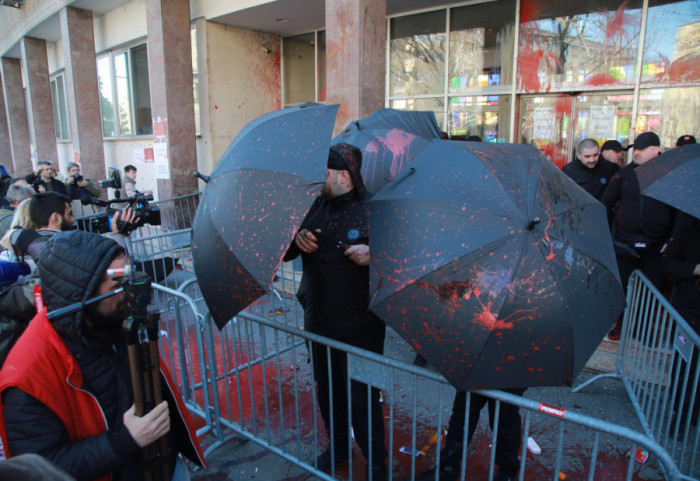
column 41, row 365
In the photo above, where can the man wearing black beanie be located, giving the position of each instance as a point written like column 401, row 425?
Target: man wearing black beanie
column 334, row 245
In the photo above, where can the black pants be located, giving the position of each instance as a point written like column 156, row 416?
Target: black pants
column 509, row 433
column 338, row 398
column 650, row 262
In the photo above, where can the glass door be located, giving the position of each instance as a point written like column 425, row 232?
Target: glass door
column 556, row 123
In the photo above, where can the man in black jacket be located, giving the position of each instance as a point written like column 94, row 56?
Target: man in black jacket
column 641, row 225
column 79, row 413
column 588, row 171
column 334, row 245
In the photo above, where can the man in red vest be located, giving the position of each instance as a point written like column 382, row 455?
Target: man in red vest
column 65, row 388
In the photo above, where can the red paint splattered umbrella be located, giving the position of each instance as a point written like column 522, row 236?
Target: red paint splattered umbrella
column 674, row 178
column 389, row 139
column 494, row 265
column 255, row 200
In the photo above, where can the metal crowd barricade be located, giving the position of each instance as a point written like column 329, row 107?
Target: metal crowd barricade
column 658, row 364
column 262, row 390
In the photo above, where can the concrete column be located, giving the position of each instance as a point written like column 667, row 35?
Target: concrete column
column 5, row 145
column 355, row 57
column 16, row 115
column 41, row 127
column 172, row 100
column 82, row 93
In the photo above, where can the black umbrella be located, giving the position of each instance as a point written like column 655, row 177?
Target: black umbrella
column 389, row 139
column 494, row 265
column 674, row 178
column 254, row 202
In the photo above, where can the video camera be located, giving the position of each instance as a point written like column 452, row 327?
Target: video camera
column 101, row 223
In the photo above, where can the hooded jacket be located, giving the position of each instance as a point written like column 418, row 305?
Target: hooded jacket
column 79, row 425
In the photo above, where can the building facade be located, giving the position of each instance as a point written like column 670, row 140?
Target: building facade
column 166, row 85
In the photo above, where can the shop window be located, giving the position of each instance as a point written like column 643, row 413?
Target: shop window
column 481, row 46
column 671, row 42
column 304, row 68
column 60, row 111
column 417, row 56
column 125, row 97
column 669, row 112
column 484, row 115
column 568, row 43
column 432, row 104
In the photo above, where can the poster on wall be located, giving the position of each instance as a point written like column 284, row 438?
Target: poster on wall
column 543, row 123
column 602, row 122
column 138, row 156
column 148, row 155
column 160, row 157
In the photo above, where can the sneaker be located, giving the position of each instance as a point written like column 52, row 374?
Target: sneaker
column 615, row 332
column 323, row 461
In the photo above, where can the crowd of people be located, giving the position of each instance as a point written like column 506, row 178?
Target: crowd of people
column 91, row 430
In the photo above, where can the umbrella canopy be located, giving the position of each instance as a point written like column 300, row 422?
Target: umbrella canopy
column 494, row 265
column 254, row 202
column 389, row 139
column 674, row 178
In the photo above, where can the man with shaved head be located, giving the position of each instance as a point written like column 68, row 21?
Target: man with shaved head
column 588, row 171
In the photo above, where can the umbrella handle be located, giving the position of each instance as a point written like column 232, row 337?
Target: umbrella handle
column 199, row 175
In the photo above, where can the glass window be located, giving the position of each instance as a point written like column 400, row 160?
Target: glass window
column 481, row 45
column 195, row 80
column 417, row 54
column 544, row 122
column 142, row 91
column 436, row 105
column 670, row 112
column 570, row 43
column 60, row 111
column 121, row 77
column 299, row 70
column 487, row 116
column 671, row 47
column 321, row 66
column 603, row 116
column 104, row 81
column 125, row 96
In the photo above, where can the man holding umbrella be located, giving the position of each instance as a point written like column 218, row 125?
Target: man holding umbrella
column 334, row 292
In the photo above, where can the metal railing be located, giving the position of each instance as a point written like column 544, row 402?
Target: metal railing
column 657, row 362
column 253, row 381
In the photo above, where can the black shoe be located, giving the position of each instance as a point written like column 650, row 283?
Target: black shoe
column 378, row 472
column 506, row 475
column 616, row 331
column 323, row 461
column 447, row 473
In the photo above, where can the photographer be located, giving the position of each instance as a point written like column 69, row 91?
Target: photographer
column 43, row 179
column 65, row 387
column 79, row 187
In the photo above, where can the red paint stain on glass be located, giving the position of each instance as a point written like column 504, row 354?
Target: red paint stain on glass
column 529, row 61
column 617, row 24
column 600, row 79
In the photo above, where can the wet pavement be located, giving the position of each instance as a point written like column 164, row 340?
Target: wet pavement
column 605, row 400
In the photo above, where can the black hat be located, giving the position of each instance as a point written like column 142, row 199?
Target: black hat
column 646, row 139
column 685, row 140
column 613, row 145
column 344, row 156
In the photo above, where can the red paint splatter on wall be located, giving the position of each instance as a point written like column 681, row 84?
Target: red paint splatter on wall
column 529, row 11
column 601, row 79
column 616, row 25
column 529, row 61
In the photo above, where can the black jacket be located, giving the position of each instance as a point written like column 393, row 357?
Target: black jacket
column 334, row 291
column 681, row 256
column 638, row 218
column 595, row 180
column 70, row 272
